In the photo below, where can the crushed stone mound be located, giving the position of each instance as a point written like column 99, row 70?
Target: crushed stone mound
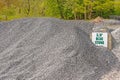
column 116, row 35
column 116, row 42
column 50, row 49
column 83, row 25
column 111, row 22
column 115, row 73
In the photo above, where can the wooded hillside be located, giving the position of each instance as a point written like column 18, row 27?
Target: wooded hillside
column 65, row 9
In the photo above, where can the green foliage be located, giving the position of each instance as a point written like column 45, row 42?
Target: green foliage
column 65, row 9
column 117, row 8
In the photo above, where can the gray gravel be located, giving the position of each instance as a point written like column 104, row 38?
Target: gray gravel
column 112, row 22
column 51, row 49
column 83, row 25
column 116, row 36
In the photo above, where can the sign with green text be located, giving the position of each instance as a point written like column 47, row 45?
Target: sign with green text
column 100, row 39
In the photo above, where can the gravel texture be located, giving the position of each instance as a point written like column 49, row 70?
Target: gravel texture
column 112, row 22
column 115, row 73
column 116, row 35
column 51, row 49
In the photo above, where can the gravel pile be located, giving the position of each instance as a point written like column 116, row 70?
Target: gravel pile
column 115, row 73
column 51, row 49
column 83, row 25
column 112, row 22
column 116, row 35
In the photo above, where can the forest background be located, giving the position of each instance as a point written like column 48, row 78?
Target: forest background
column 64, row 9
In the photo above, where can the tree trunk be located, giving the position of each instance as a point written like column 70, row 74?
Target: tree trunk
column 19, row 11
column 75, row 16
column 85, row 14
column 60, row 9
column 28, row 9
column 90, row 13
column 5, row 17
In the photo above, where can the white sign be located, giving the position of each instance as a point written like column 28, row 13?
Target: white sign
column 100, row 39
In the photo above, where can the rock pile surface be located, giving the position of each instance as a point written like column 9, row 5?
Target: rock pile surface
column 51, row 49
column 115, row 73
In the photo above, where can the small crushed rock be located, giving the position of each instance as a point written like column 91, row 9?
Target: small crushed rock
column 115, row 73
column 112, row 22
column 116, row 35
column 51, row 49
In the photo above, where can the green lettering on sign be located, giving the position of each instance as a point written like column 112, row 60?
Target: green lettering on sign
column 99, row 38
column 99, row 42
column 99, row 35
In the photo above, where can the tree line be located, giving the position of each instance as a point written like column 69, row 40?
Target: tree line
column 65, row 9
